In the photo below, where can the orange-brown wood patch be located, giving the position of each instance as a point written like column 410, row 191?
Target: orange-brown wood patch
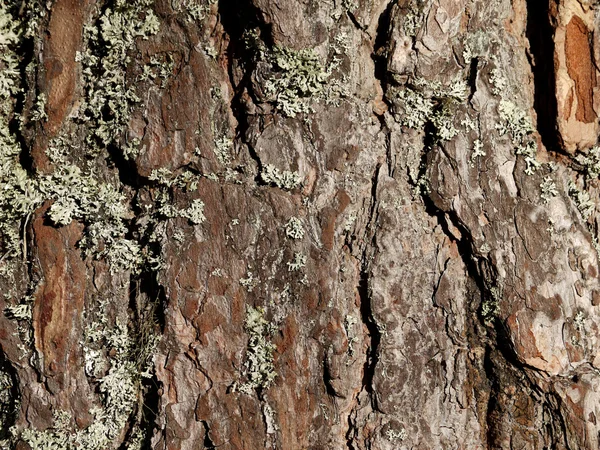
column 581, row 68
column 59, row 299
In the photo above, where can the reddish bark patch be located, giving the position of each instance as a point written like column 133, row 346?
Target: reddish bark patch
column 59, row 299
column 580, row 67
column 63, row 40
column 328, row 219
column 59, row 79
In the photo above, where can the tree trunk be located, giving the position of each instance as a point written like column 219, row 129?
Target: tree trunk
column 299, row 224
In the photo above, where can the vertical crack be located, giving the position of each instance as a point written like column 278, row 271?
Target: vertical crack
column 540, row 33
column 364, row 292
column 381, row 44
column 208, row 443
column 372, row 357
column 237, row 20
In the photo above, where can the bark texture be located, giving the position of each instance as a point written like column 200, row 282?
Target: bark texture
column 299, row 224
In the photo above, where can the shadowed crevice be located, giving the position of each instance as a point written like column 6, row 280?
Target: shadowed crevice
column 540, row 34
column 239, row 17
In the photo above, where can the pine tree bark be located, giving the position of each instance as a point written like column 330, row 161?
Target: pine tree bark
column 244, row 224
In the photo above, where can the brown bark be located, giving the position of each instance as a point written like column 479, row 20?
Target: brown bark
column 295, row 224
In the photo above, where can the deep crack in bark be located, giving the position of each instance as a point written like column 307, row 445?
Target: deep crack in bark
column 540, row 34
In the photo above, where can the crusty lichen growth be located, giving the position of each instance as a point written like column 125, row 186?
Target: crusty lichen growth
column 294, row 228
column 590, row 162
column 196, row 10
column 517, row 124
column 490, row 307
column 117, row 363
column 283, row 179
column 259, row 366
column 297, row 75
column 478, row 151
column 425, row 102
column 585, row 205
column 299, row 262
column 109, row 98
column 18, row 192
column 8, row 403
column 77, row 194
column 548, row 189
column 186, row 181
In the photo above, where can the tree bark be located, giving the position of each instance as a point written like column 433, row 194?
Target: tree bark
column 244, row 224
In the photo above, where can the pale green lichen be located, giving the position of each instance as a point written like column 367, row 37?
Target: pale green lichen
column 548, row 189
column 412, row 18
column 282, row 179
column 427, row 102
column 396, row 435
column 9, row 400
column 117, row 363
column 478, row 151
column 490, row 307
column 131, row 149
column 109, row 99
column 349, row 322
column 196, row 10
column 222, row 149
column 77, row 195
column 416, row 108
column 342, row 43
column 349, row 222
column 259, row 366
column 498, row 81
column 38, row 112
column 294, row 228
column 590, row 162
column 22, row 311
column 18, row 192
column 517, row 124
column 297, row 76
column 195, row 212
column 297, row 263
column 114, row 360
column 585, row 205
column 249, row 282
column 475, row 44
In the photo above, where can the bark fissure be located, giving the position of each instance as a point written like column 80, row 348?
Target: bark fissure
column 364, row 292
column 406, row 285
column 236, row 21
column 540, row 34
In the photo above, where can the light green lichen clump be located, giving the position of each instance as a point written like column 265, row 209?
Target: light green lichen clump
column 18, row 193
column 548, row 188
column 8, row 404
column 186, row 181
column 259, row 366
column 109, row 98
column 117, row 363
column 282, row 179
column 294, row 228
column 297, row 76
column 584, row 203
column 297, row 263
column 517, row 124
column 590, row 162
column 430, row 103
column 82, row 197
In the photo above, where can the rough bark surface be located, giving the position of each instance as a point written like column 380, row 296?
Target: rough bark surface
column 299, row 224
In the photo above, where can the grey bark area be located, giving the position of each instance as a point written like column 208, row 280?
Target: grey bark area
column 299, row 224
